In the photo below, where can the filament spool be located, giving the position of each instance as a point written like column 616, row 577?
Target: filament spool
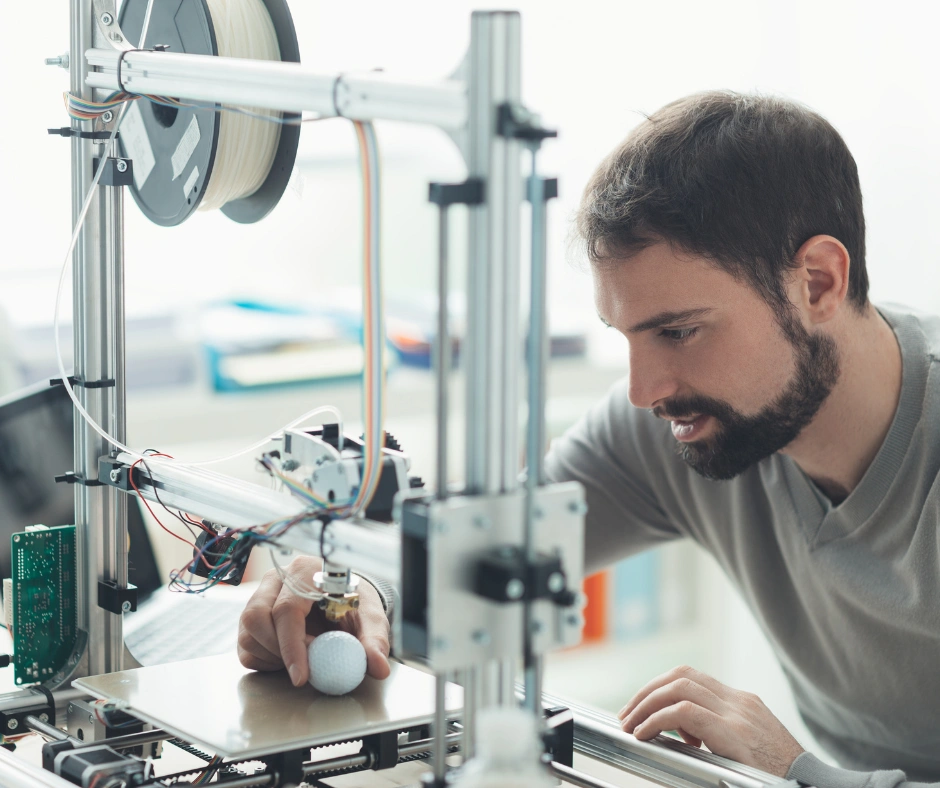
column 186, row 159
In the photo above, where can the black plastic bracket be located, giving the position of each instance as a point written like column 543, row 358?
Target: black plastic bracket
column 116, row 474
column 288, row 766
column 516, row 122
column 117, row 172
column 107, row 383
column 470, row 192
column 384, row 749
column 68, row 131
column 70, row 477
column 13, row 721
column 549, row 190
column 503, row 575
column 559, row 736
column 115, row 599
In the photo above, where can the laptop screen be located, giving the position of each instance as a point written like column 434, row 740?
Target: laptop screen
column 36, row 446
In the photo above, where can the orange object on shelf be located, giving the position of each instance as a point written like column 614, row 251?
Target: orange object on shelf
column 596, row 612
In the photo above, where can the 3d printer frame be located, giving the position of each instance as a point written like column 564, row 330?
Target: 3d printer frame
column 507, row 553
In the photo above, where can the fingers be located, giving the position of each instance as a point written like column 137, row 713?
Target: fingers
column 372, row 629
column 678, row 691
column 289, row 615
column 257, row 638
column 688, row 738
column 681, row 672
column 695, row 721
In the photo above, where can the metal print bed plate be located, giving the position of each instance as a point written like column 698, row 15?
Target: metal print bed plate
column 241, row 713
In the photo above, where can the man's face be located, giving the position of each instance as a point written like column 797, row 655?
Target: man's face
column 710, row 355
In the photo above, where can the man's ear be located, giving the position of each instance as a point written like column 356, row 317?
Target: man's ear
column 822, row 279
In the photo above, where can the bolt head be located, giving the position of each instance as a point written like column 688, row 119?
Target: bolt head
column 106, row 19
column 44, row 717
column 71, row 708
column 573, row 620
column 121, row 165
column 577, row 507
column 481, row 637
column 108, row 116
column 515, row 589
column 115, row 476
column 13, row 724
column 441, row 644
column 126, row 606
column 91, row 719
column 556, row 582
column 482, row 522
column 537, row 627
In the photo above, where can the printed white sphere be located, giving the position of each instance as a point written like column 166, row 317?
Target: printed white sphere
column 337, row 663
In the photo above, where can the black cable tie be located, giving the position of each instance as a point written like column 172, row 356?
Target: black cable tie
column 70, row 477
column 107, row 383
column 68, row 131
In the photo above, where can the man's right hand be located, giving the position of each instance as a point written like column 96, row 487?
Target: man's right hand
column 276, row 625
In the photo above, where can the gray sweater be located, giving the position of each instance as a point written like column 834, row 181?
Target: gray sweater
column 848, row 595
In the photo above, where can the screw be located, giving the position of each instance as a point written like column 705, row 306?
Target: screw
column 126, row 606
column 61, row 60
column 577, row 507
column 91, row 719
column 107, row 116
column 573, row 620
column 71, row 708
column 556, row 582
column 106, row 19
column 115, row 476
column 482, row 522
column 515, row 588
column 44, row 717
column 481, row 637
column 537, row 626
column 13, row 724
column 121, row 165
column 441, row 644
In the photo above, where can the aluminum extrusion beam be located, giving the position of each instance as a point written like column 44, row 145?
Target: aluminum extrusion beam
column 289, row 87
column 363, row 545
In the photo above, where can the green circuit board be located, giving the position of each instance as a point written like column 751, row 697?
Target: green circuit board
column 44, row 605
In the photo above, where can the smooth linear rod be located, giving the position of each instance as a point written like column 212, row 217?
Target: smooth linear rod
column 365, row 546
column 289, row 87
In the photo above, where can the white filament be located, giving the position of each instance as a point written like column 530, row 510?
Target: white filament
column 246, row 145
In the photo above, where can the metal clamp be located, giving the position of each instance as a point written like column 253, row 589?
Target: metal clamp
column 107, row 383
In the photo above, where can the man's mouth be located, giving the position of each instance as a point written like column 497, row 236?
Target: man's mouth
column 687, row 430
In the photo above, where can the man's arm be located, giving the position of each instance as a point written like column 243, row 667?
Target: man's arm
column 737, row 725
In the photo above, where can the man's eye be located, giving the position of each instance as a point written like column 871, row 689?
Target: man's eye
column 678, row 335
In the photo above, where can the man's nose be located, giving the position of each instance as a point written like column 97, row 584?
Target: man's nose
column 651, row 380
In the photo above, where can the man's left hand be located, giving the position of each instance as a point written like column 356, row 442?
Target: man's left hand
column 702, row 710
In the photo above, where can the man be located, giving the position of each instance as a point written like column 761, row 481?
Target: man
column 773, row 415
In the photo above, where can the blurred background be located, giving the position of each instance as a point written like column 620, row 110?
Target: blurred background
column 232, row 328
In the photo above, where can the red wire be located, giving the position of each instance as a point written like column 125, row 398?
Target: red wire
column 130, row 477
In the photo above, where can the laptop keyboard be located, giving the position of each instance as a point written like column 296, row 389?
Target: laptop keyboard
column 183, row 626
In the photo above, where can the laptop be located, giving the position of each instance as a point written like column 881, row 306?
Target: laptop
column 36, row 439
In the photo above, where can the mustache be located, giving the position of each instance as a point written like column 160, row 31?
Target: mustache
column 693, row 405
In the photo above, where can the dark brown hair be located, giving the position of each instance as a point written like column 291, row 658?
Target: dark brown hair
column 743, row 180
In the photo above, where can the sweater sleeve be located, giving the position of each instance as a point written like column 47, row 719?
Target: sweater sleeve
column 613, row 453
column 809, row 770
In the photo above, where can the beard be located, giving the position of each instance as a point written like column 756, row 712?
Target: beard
column 741, row 441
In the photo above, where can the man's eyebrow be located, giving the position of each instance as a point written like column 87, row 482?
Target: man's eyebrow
column 669, row 318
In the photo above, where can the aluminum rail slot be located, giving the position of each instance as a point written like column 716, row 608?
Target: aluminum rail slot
column 662, row 760
column 288, row 87
column 372, row 548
